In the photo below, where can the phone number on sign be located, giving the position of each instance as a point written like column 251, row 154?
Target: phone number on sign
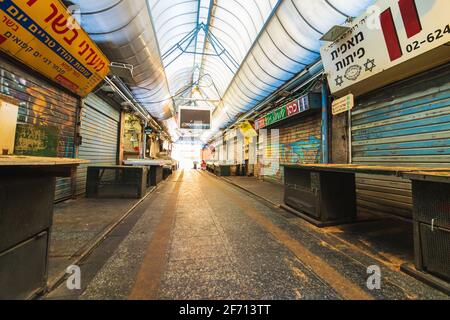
column 438, row 34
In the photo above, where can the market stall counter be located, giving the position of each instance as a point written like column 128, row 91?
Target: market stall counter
column 155, row 169
column 325, row 195
column 27, row 190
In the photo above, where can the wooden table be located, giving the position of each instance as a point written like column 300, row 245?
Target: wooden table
column 27, row 190
column 56, row 167
column 356, row 168
column 325, row 194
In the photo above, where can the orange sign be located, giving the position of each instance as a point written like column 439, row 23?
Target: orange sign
column 43, row 35
column 343, row 104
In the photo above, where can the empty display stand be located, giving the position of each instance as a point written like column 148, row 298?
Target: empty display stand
column 27, row 191
column 322, row 198
column 154, row 167
column 167, row 171
column 116, row 182
column 222, row 170
column 431, row 218
column 324, row 194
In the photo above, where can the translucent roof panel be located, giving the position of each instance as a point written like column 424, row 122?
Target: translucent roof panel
column 123, row 29
column 237, row 52
column 235, row 24
column 174, row 21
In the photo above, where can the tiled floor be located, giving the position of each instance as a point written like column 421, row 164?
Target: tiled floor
column 199, row 237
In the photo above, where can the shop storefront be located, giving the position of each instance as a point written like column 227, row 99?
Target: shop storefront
column 46, row 70
column 230, row 139
column 404, row 124
column 401, row 107
column 100, row 121
column 47, row 117
column 290, row 134
column 133, row 137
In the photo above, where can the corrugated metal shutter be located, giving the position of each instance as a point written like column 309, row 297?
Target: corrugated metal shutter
column 240, row 149
column 100, row 133
column 271, row 156
column 230, row 150
column 406, row 124
column 298, row 143
column 232, row 147
column 44, row 106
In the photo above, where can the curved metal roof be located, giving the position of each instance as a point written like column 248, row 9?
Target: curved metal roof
column 237, row 52
column 124, row 31
column 286, row 45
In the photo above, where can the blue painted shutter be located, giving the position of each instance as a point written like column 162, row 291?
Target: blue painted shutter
column 405, row 124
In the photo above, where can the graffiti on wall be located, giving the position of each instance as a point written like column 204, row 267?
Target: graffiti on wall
column 45, row 115
column 303, row 151
column 35, row 140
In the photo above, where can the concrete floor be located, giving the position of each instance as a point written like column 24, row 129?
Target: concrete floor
column 199, row 237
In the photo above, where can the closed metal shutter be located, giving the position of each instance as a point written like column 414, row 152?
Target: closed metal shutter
column 46, row 113
column 230, row 150
column 271, row 156
column 100, row 133
column 299, row 143
column 406, row 124
column 233, row 147
column 240, row 149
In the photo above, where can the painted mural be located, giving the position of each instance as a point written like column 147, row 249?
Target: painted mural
column 300, row 143
column 46, row 121
column 303, row 151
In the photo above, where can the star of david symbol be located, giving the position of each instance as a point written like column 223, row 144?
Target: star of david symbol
column 370, row 64
column 339, row 81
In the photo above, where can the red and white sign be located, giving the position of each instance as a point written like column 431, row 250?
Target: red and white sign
column 260, row 123
column 390, row 33
column 292, row 108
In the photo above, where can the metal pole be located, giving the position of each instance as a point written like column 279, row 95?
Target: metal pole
column 144, row 143
column 324, row 122
column 350, row 136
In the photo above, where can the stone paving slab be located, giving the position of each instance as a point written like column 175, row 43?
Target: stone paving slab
column 272, row 192
column 77, row 224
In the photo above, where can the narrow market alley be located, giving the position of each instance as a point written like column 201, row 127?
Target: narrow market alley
column 224, row 155
column 199, row 237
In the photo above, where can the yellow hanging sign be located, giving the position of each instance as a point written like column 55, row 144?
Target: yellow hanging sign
column 247, row 130
column 43, row 35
